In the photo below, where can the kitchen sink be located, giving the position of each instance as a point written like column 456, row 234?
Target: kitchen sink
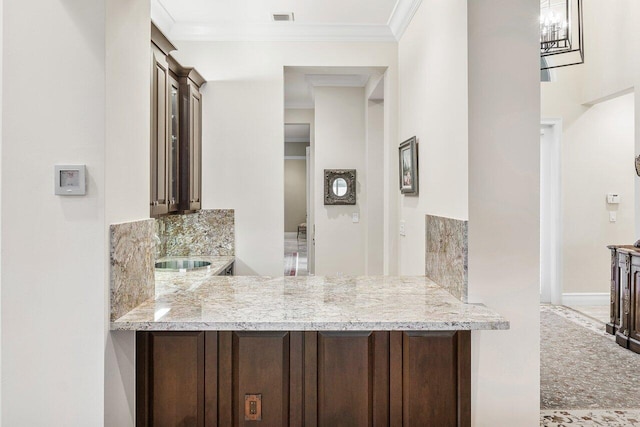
column 182, row 265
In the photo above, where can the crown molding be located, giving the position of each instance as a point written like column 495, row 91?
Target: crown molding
column 280, row 31
column 161, row 17
column 286, row 31
column 401, row 16
column 341, row 80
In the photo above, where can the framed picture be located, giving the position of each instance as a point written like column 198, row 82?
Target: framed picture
column 408, row 151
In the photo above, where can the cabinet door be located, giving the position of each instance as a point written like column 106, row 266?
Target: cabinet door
column 173, row 153
column 634, row 305
column 195, row 149
column 431, row 378
column 159, row 132
column 624, row 268
column 190, row 145
column 346, row 379
column 266, row 366
column 170, row 377
column 614, row 302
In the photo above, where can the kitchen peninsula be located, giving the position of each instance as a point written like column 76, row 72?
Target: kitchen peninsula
column 303, row 351
column 219, row 350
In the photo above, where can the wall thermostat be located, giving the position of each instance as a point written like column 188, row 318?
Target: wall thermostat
column 613, row 199
column 70, row 180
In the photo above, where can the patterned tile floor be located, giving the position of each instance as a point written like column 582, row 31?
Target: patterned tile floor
column 577, row 385
column 293, row 245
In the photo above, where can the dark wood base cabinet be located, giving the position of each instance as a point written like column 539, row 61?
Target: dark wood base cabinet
column 327, row 379
column 624, row 320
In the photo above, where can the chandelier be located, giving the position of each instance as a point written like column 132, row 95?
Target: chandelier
column 561, row 37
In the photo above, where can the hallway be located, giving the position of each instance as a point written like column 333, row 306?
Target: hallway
column 586, row 379
column 295, row 255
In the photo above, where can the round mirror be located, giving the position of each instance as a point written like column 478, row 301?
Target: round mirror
column 339, row 187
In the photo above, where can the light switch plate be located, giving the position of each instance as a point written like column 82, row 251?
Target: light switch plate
column 355, row 217
column 402, row 230
column 612, row 216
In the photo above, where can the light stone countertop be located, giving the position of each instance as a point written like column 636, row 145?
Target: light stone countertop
column 199, row 300
column 168, row 282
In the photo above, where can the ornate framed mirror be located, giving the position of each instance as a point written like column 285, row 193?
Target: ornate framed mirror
column 339, row 186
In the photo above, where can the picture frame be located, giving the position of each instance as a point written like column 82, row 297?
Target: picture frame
column 408, row 167
column 339, row 186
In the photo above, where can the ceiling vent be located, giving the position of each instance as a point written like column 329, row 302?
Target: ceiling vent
column 282, row 17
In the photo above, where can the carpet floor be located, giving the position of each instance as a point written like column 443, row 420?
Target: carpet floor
column 582, row 368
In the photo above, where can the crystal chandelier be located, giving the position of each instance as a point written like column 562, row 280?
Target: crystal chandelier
column 561, row 33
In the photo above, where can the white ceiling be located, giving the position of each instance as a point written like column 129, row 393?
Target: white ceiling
column 315, row 20
column 300, row 81
column 327, row 20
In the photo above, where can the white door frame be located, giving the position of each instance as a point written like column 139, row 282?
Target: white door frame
column 311, row 253
column 551, row 214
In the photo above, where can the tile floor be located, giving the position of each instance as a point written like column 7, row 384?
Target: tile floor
column 295, row 255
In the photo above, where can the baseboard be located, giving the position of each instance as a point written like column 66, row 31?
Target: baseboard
column 586, row 298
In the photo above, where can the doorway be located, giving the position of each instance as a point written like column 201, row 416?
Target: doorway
column 550, row 212
column 297, row 140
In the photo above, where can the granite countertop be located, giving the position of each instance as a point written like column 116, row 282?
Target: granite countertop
column 199, row 300
column 172, row 281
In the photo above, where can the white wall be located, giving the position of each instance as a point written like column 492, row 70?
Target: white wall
column 243, row 108
column 504, row 213
column 611, row 48
column 612, row 61
column 1, row 73
column 595, row 142
column 295, row 193
column 340, row 144
column 60, row 364
column 374, row 219
column 53, row 248
column 433, row 106
column 127, row 176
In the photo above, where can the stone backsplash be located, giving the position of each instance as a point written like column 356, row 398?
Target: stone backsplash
column 208, row 232
column 134, row 247
column 447, row 253
column 132, row 256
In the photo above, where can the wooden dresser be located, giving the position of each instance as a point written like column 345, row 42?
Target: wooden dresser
column 624, row 321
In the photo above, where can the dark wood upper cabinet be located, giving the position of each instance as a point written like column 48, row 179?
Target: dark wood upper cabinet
column 173, row 156
column 160, row 104
column 190, row 135
column 176, row 131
